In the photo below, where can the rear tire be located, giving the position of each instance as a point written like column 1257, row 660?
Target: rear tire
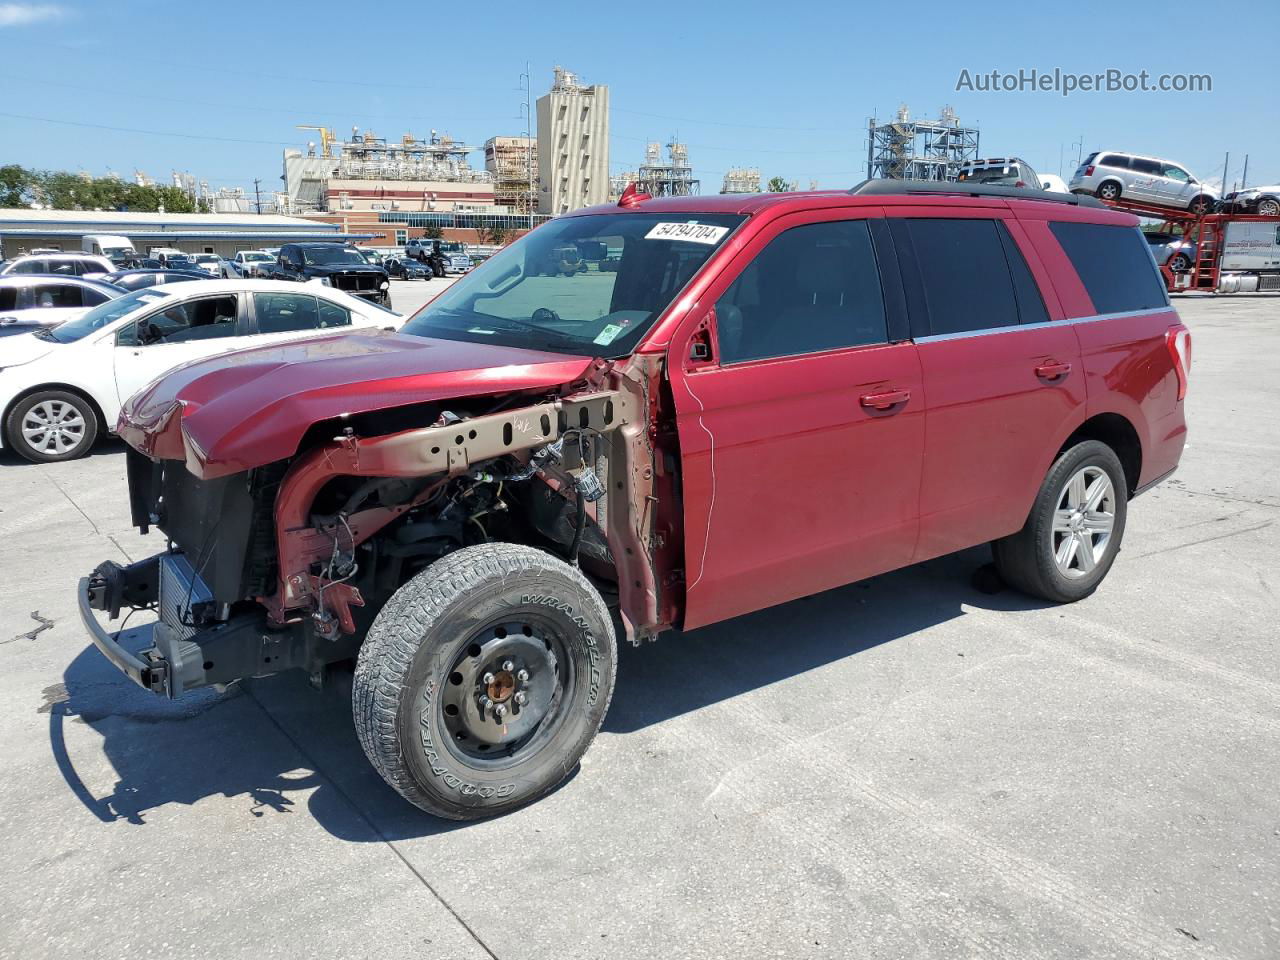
column 51, row 426
column 492, row 626
column 1062, row 518
column 1108, row 191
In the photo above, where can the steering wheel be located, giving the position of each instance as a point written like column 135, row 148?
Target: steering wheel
column 545, row 315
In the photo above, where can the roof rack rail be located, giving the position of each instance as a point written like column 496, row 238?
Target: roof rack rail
column 883, row 187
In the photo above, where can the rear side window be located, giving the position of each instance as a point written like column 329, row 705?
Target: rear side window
column 8, row 298
column 94, row 297
column 1115, row 160
column 1114, row 264
column 964, row 273
column 284, row 312
column 813, row 288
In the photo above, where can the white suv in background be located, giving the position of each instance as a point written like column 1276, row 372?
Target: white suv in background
column 1110, row 175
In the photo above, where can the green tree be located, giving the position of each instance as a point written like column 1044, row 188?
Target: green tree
column 17, row 186
column 433, row 231
column 495, row 235
column 778, row 185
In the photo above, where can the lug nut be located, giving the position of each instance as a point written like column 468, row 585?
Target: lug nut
column 487, row 679
column 508, row 666
column 521, row 698
column 485, row 703
column 522, row 676
column 500, row 710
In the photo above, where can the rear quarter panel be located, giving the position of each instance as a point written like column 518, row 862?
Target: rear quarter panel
column 1127, row 366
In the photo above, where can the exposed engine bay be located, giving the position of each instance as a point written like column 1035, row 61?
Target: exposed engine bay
column 287, row 565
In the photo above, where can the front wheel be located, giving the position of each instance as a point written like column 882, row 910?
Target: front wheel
column 1268, row 207
column 1201, row 205
column 51, row 426
column 1073, row 532
column 484, row 679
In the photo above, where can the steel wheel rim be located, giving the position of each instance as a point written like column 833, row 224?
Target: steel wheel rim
column 1084, row 520
column 485, row 723
column 53, row 427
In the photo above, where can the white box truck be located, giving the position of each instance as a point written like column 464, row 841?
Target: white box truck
column 119, row 250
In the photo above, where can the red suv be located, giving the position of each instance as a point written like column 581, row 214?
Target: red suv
column 738, row 401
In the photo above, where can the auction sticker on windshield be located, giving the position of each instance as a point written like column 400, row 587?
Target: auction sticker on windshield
column 690, row 232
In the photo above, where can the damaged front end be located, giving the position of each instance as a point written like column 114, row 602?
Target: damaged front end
column 286, row 564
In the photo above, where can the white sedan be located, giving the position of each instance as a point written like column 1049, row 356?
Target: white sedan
column 61, row 386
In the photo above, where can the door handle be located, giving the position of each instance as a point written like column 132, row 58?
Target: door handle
column 1053, row 370
column 884, row 401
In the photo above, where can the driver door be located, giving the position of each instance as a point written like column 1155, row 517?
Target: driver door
column 802, row 425
column 178, row 333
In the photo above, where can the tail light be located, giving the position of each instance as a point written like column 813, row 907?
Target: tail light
column 1178, row 340
column 1088, row 171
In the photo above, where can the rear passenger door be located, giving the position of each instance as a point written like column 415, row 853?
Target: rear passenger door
column 1000, row 378
column 801, row 427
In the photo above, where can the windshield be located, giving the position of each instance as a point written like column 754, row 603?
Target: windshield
column 255, row 256
column 206, row 258
column 331, row 255
column 583, row 285
column 103, row 314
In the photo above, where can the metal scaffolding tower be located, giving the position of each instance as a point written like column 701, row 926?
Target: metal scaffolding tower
column 741, row 180
column 906, row 149
column 674, row 178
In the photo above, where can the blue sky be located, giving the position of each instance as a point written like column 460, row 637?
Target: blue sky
column 787, row 88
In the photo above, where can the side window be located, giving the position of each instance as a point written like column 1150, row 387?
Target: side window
column 283, row 312
column 813, row 288
column 57, row 295
column 1115, row 160
column 1148, row 168
column 94, row 297
column 1031, row 307
column 1176, row 173
column 69, row 268
column 1114, row 265
column 8, row 298
column 332, row 315
column 965, row 274
column 38, row 265
column 208, row 319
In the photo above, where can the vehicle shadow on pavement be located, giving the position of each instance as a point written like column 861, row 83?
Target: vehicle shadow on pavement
column 104, row 447
column 276, row 746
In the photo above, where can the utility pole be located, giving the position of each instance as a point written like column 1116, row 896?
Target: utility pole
column 257, row 196
column 1244, row 175
column 530, row 129
column 1225, row 163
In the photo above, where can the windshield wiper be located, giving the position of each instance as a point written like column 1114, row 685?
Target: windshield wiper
column 44, row 333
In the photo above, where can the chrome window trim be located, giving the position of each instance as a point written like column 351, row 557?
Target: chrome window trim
column 1014, row 327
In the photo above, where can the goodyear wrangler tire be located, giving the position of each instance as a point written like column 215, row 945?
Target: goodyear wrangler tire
column 484, row 679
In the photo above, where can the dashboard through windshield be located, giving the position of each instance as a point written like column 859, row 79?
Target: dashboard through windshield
column 588, row 285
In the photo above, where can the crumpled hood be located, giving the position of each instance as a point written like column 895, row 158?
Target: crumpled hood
column 241, row 410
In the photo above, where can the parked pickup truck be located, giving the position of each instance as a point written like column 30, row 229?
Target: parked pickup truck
column 772, row 395
column 333, row 264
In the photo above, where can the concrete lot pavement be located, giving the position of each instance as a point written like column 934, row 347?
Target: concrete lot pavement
column 901, row 768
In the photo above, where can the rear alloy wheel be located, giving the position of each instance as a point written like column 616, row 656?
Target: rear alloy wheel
column 51, row 426
column 1268, row 207
column 1201, row 205
column 484, row 679
column 1073, row 532
column 1108, row 191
